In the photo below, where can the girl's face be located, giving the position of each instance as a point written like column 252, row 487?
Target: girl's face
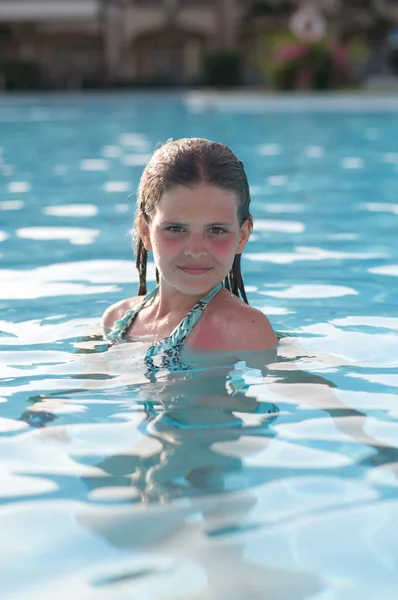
column 194, row 235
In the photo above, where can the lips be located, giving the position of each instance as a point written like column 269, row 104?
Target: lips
column 194, row 270
column 200, row 267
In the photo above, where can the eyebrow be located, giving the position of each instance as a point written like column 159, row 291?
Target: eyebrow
column 217, row 224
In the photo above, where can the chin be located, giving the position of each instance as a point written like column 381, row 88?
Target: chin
column 192, row 285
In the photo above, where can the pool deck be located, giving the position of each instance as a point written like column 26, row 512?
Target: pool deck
column 247, row 100
column 261, row 101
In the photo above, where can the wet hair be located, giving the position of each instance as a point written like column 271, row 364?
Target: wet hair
column 191, row 162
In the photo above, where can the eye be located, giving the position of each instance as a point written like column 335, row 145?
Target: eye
column 217, row 230
column 174, row 229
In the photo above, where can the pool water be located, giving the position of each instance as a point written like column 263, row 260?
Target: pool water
column 232, row 481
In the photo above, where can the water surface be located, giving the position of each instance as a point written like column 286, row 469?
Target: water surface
column 272, row 477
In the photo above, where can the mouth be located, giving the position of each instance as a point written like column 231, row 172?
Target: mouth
column 197, row 270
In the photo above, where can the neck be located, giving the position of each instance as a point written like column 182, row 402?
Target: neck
column 169, row 300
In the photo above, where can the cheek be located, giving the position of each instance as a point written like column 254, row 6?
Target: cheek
column 164, row 246
column 224, row 247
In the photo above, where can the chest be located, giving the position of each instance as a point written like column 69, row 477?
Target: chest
column 147, row 327
column 209, row 333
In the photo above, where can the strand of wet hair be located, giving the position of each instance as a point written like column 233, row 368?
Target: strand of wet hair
column 239, row 279
column 141, row 264
column 234, row 280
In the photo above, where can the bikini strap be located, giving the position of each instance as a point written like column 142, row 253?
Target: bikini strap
column 171, row 345
column 122, row 325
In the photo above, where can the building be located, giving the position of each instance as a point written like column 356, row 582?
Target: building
column 61, row 39
column 80, row 43
column 97, row 42
column 166, row 40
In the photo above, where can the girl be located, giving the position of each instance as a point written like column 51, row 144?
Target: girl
column 193, row 215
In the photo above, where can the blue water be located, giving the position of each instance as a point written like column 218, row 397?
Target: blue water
column 229, row 482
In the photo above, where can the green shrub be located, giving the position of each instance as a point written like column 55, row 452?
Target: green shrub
column 222, row 68
column 21, row 75
column 393, row 60
column 314, row 66
column 143, row 82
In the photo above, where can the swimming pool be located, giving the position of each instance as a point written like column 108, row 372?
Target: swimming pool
column 228, row 483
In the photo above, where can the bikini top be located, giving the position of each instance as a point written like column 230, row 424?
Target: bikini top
column 163, row 353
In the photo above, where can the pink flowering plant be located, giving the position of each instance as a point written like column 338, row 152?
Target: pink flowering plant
column 309, row 66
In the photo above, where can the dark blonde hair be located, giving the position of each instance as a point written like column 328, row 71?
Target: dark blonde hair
column 191, row 162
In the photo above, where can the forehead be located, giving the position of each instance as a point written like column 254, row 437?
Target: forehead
column 198, row 202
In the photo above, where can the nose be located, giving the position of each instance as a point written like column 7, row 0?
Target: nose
column 195, row 246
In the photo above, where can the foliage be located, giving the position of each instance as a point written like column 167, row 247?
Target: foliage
column 20, row 75
column 259, row 8
column 393, row 60
column 304, row 66
column 222, row 68
column 268, row 47
column 301, row 65
column 156, row 82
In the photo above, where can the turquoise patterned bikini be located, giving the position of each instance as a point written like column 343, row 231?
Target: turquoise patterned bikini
column 163, row 353
column 166, row 354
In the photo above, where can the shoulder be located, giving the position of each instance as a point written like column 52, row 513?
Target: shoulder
column 118, row 310
column 249, row 328
column 230, row 324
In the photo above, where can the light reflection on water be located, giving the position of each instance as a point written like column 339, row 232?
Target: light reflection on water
column 275, row 478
